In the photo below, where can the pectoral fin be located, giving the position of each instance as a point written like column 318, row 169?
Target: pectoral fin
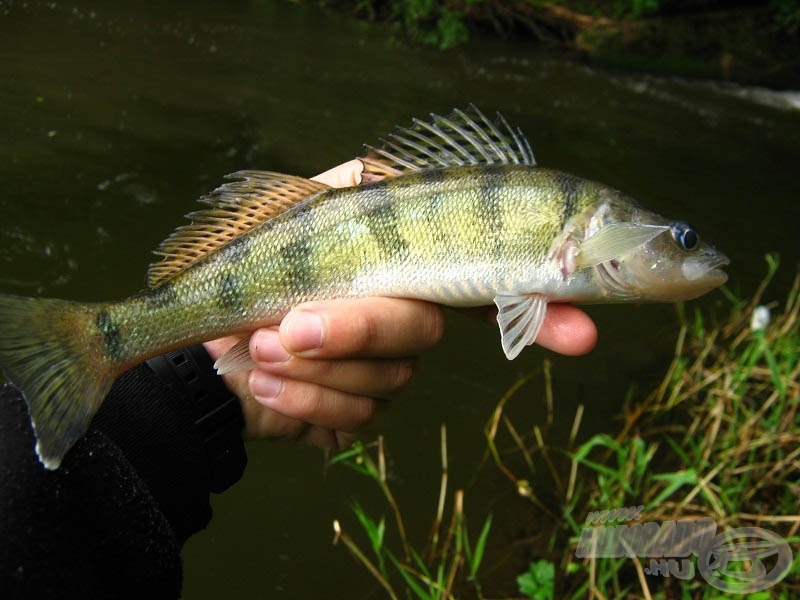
column 520, row 319
column 615, row 240
column 236, row 359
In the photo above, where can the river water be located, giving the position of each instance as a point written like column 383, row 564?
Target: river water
column 115, row 118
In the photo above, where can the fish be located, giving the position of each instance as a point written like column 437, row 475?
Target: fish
column 451, row 209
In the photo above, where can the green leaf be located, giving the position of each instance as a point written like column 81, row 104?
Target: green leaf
column 676, row 480
column 537, row 583
column 358, row 459
column 409, row 579
column 676, row 447
column 420, row 563
column 375, row 531
column 480, row 547
column 356, row 450
column 603, row 440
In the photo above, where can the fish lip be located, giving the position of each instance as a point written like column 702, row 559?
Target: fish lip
column 719, row 261
column 713, row 270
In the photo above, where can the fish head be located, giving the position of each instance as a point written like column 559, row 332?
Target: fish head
column 676, row 265
column 639, row 255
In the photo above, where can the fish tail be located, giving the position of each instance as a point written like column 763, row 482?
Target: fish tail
column 50, row 350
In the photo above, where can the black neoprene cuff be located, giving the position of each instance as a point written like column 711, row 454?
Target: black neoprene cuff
column 215, row 411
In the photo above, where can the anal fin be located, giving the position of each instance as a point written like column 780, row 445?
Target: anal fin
column 237, row 358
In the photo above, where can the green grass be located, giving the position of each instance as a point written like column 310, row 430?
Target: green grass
column 433, row 570
column 719, row 438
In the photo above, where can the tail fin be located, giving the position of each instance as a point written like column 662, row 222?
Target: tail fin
column 49, row 350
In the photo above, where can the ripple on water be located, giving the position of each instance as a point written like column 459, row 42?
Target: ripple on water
column 31, row 263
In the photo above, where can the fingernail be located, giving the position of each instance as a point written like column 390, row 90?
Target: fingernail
column 268, row 348
column 302, row 330
column 264, row 386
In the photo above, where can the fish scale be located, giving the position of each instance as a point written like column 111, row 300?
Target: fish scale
column 453, row 210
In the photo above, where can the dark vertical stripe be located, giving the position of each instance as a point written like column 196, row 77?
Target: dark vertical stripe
column 490, row 211
column 112, row 336
column 381, row 219
column 432, row 176
column 439, row 227
column 300, row 272
column 230, row 294
column 435, row 207
column 162, row 297
column 569, row 187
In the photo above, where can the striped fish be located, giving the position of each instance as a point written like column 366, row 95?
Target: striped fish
column 452, row 210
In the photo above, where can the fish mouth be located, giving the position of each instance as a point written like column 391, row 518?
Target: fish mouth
column 705, row 268
column 713, row 270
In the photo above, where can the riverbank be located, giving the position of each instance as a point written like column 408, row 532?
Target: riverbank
column 751, row 43
column 742, row 45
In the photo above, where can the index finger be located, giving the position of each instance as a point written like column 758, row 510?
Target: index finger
column 379, row 327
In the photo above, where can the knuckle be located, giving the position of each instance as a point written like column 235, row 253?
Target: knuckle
column 435, row 324
column 364, row 412
column 400, row 374
column 320, row 371
column 393, row 326
column 365, row 332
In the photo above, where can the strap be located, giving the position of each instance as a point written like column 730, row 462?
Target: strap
column 216, row 412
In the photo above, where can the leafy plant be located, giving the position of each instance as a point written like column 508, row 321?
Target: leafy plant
column 787, row 14
column 635, row 9
column 537, row 583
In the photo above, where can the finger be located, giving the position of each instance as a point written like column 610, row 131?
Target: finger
column 567, row 330
column 377, row 378
column 388, row 327
column 344, row 175
column 369, row 377
column 328, row 438
column 261, row 422
column 321, row 406
column 269, row 423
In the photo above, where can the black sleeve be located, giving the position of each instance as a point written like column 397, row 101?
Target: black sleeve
column 110, row 522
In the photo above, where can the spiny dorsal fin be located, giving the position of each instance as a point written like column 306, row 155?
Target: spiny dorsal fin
column 236, row 207
column 464, row 137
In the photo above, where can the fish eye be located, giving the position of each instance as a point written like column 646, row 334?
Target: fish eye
column 687, row 238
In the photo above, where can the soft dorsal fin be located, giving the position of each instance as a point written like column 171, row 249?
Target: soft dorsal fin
column 254, row 197
column 464, row 137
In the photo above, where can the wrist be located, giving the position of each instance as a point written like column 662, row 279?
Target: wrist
column 214, row 410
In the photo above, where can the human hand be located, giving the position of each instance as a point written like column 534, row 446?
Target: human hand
column 322, row 395
column 362, row 350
